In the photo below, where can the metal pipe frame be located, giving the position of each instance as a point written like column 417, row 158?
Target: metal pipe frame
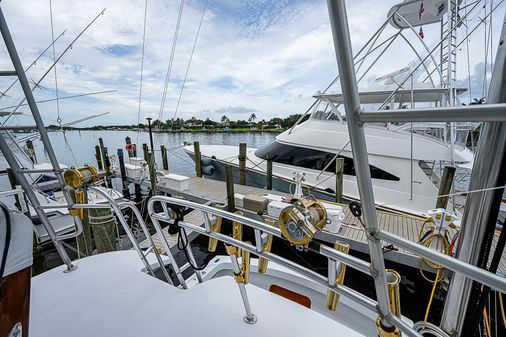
column 471, row 113
column 249, row 318
column 326, row 251
column 343, row 50
column 480, row 275
column 115, row 207
column 23, row 81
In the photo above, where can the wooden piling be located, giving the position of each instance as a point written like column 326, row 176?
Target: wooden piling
column 445, row 187
column 165, row 158
column 339, row 179
column 242, row 163
column 124, row 178
column 31, row 151
column 145, row 151
column 99, row 158
column 269, row 171
column 152, row 173
column 103, row 156
column 107, row 165
column 128, row 141
column 198, row 159
column 103, row 225
column 230, row 188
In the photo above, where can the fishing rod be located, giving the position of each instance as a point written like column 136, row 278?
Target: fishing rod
column 33, row 63
column 60, row 98
column 36, row 84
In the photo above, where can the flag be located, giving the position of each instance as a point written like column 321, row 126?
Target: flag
column 420, row 33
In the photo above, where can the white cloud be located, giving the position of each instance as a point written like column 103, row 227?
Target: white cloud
column 265, row 56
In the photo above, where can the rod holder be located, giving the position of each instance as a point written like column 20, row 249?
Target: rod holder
column 237, row 232
column 332, row 296
column 266, row 247
column 393, row 280
column 211, row 246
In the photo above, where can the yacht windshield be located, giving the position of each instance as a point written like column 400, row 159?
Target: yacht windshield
column 315, row 159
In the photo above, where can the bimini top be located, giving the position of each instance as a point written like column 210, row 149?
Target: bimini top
column 379, row 96
column 417, row 13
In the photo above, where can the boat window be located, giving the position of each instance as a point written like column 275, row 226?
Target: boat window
column 315, row 159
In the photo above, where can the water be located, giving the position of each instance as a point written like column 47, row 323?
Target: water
column 76, row 148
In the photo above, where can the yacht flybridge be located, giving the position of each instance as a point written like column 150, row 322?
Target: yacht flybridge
column 147, row 292
column 405, row 159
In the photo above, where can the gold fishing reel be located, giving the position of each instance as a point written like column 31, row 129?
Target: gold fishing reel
column 300, row 221
column 77, row 177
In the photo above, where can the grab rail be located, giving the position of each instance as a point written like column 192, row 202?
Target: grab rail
column 451, row 263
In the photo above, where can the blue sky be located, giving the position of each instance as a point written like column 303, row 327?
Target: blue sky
column 262, row 57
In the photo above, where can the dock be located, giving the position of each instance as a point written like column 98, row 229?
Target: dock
column 203, row 190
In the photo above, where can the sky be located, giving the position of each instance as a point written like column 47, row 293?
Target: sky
column 262, row 57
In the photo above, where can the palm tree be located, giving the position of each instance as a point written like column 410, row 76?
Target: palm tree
column 252, row 118
column 224, row 120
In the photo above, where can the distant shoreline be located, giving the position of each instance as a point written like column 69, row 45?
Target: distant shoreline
column 238, row 130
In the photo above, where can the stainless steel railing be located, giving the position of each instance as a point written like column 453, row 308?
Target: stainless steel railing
column 331, row 254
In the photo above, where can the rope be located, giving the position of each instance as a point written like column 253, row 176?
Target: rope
column 59, row 120
column 485, row 317
column 503, row 315
column 189, row 63
column 171, row 59
column 142, row 68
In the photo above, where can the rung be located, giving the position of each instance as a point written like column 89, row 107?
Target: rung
column 23, row 171
column 18, row 127
column 8, row 73
column 471, row 113
column 184, row 267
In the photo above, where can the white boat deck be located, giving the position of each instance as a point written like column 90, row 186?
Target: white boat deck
column 109, row 295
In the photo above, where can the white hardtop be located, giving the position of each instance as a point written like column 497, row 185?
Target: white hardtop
column 109, row 295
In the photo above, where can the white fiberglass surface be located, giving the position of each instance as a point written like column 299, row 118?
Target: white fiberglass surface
column 109, row 295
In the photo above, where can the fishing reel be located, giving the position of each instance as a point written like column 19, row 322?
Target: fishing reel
column 77, row 177
column 300, row 221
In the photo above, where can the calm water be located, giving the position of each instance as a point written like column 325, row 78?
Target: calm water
column 75, row 148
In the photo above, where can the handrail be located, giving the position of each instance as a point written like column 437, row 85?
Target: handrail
column 451, row 263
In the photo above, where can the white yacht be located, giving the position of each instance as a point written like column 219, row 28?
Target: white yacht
column 402, row 157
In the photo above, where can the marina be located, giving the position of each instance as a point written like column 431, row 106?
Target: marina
column 378, row 210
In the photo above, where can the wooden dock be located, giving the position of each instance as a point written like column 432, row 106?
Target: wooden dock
column 202, row 190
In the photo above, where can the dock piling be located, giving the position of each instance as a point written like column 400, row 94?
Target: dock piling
column 339, row 179
column 152, row 172
column 124, row 178
column 165, row 158
column 242, row 163
column 131, row 153
column 445, row 186
column 107, row 165
column 99, row 158
column 31, row 151
column 145, row 151
column 230, row 188
column 269, row 171
column 198, row 159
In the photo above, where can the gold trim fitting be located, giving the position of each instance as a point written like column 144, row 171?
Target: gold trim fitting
column 237, row 232
column 332, row 296
column 384, row 331
column 393, row 280
column 262, row 262
column 211, row 246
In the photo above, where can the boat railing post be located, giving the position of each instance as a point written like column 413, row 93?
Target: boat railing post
column 342, row 45
column 249, row 318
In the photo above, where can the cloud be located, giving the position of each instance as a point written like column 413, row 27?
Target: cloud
column 263, row 56
column 235, row 110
